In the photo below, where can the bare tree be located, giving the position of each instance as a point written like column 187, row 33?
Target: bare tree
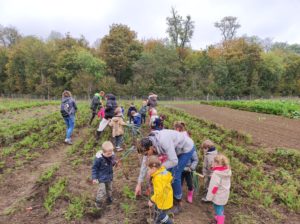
column 228, row 26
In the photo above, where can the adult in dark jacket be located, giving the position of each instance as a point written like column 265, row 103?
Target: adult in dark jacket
column 96, row 104
column 68, row 109
column 111, row 105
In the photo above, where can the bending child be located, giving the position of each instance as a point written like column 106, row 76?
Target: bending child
column 162, row 198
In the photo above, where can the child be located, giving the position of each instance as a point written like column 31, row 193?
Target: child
column 158, row 123
column 162, row 196
column 101, row 113
column 137, row 121
column 210, row 152
column 153, row 117
column 187, row 173
column 102, row 172
column 143, row 112
column 130, row 109
column 117, row 124
column 219, row 186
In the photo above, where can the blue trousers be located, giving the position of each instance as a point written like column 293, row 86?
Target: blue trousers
column 177, row 173
column 70, row 123
column 219, row 209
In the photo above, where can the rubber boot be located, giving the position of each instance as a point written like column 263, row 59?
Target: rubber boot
column 98, row 134
column 190, row 196
column 220, row 219
column 177, row 207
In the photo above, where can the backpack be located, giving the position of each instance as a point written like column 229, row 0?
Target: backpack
column 66, row 108
column 95, row 103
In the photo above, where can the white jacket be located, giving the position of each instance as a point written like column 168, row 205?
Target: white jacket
column 219, row 186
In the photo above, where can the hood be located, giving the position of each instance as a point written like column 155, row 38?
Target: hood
column 212, row 151
column 116, row 118
column 162, row 170
column 154, row 138
column 65, row 99
column 223, row 172
column 110, row 96
column 99, row 154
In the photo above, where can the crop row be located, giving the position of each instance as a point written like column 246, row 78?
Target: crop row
column 11, row 105
column 285, row 108
column 259, row 176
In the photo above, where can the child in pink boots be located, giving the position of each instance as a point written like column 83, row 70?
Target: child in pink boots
column 219, row 186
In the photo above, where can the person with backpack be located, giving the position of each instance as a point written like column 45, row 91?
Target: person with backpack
column 152, row 100
column 68, row 109
column 95, row 106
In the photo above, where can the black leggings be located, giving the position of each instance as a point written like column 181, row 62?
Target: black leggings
column 92, row 117
column 188, row 177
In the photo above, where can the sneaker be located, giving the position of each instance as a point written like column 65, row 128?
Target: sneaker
column 119, row 149
column 68, row 141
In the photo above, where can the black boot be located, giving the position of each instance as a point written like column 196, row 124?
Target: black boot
column 98, row 134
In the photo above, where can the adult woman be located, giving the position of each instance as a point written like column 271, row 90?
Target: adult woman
column 68, row 109
column 175, row 149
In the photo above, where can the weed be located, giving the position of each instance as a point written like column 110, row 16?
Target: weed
column 48, row 174
column 76, row 208
column 55, row 191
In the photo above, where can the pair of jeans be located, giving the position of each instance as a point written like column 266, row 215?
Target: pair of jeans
column 118, row 141
column 143, row 118
column 219, row 209
column 188, row 177
column 70, row 123
column 177, row 172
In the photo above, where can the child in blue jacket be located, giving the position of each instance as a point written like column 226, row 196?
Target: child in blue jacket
column 102, row 172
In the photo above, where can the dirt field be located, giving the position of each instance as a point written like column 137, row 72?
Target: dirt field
column 268, row 131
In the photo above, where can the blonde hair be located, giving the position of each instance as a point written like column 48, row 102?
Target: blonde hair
column 102, row 93
column 153, row 161
column 107, row 146
column 118, row 110
column 207, row 144
column 222, row 160
column 66, row 93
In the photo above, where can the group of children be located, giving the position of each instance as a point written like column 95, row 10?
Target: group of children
column 216, row 169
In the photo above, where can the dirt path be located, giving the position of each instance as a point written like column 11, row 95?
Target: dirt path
column 268, row 131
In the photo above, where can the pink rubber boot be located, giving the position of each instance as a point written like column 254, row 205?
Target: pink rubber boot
column 190, row 196
column 220, row 219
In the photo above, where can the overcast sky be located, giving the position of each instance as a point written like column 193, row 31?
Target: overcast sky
column 277, row 19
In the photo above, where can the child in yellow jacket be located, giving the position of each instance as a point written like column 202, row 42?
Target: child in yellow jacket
column 163, row 192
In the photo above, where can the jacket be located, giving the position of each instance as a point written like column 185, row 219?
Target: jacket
column 170, row 143
column 102, row 169
column 193, row 162
column 143, row 110
column 117, row 123
column 152, row 101
column 219, row 186
column 95, row 104
column 209, row 157
column 137, row 120
column 131, row 108
column 68, row 107
column 111, row 105
column 162, row 189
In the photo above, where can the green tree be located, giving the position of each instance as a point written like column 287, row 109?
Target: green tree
column 9, row 36
column 3, row 73
column 120, row 49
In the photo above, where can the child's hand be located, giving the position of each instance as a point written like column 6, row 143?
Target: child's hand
column 150, row 204
column 95, row 181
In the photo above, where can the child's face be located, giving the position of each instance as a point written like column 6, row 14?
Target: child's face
column 215, row 163
column 108, row 153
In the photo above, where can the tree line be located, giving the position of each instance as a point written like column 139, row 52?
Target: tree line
column 237, row 66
